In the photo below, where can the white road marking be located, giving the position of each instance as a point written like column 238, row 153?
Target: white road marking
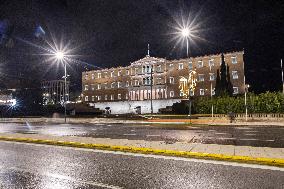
column 130, row 134
column 220, row 133
column 250, row 134
column 226, row 163
column 153, row 135
column 251, row 131
column 63, row 177
column 269, row 140
column 248, row 139
column 227, row 138
column 243, row 128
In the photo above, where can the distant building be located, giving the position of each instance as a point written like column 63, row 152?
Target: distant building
column 53, row 92
column 6, row 99
column 128, row 89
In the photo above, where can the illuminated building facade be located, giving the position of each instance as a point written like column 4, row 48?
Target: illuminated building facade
column 129, row 90
column 53, row 92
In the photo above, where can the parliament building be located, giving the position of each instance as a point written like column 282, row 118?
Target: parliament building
column 130, row 90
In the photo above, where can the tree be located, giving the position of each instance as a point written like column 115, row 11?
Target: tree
column 229, row 83
column 223, row 82
column 217, row 86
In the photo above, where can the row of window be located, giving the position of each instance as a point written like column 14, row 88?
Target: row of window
column 147, row 81
column 147, row 69
column 111, row 97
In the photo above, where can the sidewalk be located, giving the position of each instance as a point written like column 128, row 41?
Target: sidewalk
column 203, row 121
column 222, row 152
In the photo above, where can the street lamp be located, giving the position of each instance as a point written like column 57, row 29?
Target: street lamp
column 187, row 86
column 60, row 56
column 246, row 107
column 186, row 33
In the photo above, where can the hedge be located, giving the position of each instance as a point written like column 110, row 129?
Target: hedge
column 269, row 102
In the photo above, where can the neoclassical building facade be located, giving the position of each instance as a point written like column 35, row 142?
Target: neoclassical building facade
column 128, row 89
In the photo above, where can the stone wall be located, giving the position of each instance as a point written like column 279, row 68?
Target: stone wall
column 124, row 107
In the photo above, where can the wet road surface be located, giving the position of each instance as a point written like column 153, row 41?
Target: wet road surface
column 42, row 166
column 259, row 136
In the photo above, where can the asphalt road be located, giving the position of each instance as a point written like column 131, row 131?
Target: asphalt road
column 42, row 166
column 262, row 136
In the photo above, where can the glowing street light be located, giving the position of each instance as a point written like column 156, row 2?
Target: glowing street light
column 60, row 56
column 186, row 33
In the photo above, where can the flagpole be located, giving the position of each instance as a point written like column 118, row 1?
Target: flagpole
column 212, row 108
column 282, row 76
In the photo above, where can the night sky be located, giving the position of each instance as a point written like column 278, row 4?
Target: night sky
column 110, row 33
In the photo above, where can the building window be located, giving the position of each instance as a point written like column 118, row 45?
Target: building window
column 234, row 59
column 159, row 80
column 213, row 92
column 93, row 76
column 99, row 75
column 105, row 85
column 211, row 76
column 148, row 69
column 191, row 93
column 105, row 97
column 92, row 87
column 200, row 77
column 147, row 80
column 112, row 74
column 171, row 94
column 111, row 97
column 181, row 94
column 118, row 84
column 99, row 86
column 211, row 62
column 105, row 74
column 180, row 66
column 235, row 74
column 201, row 92
column 199, row 64
column 119, row 96
column 93, row 98
column 127, row 72
column 159, row 68
column 190, row 66
column 112, row 84
column 86, row 87
column 171, row 65
column 119, row 73
column 126, row 96
column 99, row 98
column 171, row 80
column 136, row 82
column 127, row 84
column 235, row 90
column 135, row 71
column 86, row 98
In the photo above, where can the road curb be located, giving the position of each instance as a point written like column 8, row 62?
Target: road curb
column 186, row 154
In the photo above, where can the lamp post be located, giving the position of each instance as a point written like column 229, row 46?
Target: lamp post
column 185, row 32
column 152, row 89
column 246, row 107
column 60, row 57
column 191, row 87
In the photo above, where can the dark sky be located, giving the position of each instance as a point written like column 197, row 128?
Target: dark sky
column 116, row 32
